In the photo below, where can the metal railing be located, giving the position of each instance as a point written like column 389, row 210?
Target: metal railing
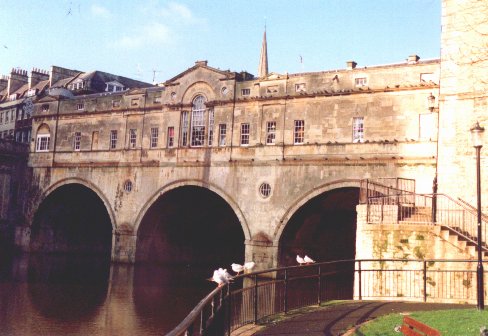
column 384, row 186
column 439, row 209
column 252, row 297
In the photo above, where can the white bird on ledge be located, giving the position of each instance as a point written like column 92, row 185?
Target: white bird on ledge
column 221, row 277
column 308, row 260
column 300, row 260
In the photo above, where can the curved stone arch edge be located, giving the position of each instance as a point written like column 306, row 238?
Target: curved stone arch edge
column 345, row 183
column 188, row 96
column 195, row 183
column 85, row 183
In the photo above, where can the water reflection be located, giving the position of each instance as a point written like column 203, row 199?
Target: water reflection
column 54, row 295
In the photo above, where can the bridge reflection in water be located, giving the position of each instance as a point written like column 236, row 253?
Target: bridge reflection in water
column 74, row 295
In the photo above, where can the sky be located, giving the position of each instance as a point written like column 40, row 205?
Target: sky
column 158, row 39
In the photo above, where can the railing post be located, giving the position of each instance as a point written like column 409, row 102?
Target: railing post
column 255, row 298
column 425, row 280
column 229, row 310
column 360, row 290
column 319, row 285
column 285, row 298
column 434, row 200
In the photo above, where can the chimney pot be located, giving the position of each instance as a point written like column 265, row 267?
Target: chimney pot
column 351, row 65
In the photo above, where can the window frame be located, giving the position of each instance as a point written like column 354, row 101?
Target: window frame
column 245, row 134
column 357, row 129
column 154, row 137
column 113, row 139
column 170, row 141
column 222, row 135
column 271, row 133
column 42, row 142
column 132, row 138
column 299, row 132
column 77, row 141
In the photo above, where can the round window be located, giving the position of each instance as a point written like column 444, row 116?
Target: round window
column 173, row 95
column 225, row 90
column 265, row 190
column 128, row 185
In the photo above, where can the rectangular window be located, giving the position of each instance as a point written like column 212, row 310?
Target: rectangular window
column 245, row 131
column 427, row 126
column 77, row 141
column 299, row 132
column 272, row 89
column 246, row 92
column 132, row 138
column 1, row 118
column 270, row 132
column 115, row 103
column 358, row 129
column 45, row 107
column 134, row 102
column 154, row 137
column 157, row 100
column 361, row 81
column 210, row 126
column 19, row 115
column 42, row 143
column 198, row 128
column 171, row 137
column 300, row 87
column 184, row 128
column 80, row 106
column 113, row 139
column 222, row 134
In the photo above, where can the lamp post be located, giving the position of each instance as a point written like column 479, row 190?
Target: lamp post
column 477, row 139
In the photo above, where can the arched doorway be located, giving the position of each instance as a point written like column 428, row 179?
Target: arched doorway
column 72, row 219
column 323, row 228
column 190, row 225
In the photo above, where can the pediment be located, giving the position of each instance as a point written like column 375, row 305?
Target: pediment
column 200, row 72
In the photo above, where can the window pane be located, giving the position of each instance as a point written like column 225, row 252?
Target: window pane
column 245, row 134
column 358, row 129
column 299, row 132
column 270, row 132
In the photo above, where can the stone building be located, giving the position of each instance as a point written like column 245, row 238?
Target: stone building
column 218, row 166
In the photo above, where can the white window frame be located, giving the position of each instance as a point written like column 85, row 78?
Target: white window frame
column 80, row 106
column 270, row 132
column 113, row 139
column 42, row 143
column 300, row 87
column 222, row 134
column 185, row 121
column 211, row 118
column 77, row 141
column 361, row 81
column 197, row 134
column 357, row 129
column 132, row 138
column 246, row 92
column 170, row 142
column 298, row 132
column 154, row 137
column 245, row 134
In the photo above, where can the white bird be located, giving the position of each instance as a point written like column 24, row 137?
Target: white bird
column 249, row 265
column 300, row 260
column 221, row 277
column 308, row 260
column 237, row 268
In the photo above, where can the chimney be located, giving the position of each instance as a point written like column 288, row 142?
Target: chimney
column 58, row 73
column 18, row 77
column 413, row 59
column 351, row 65
column 3, row 82
column 201, row 63
column 37, row 75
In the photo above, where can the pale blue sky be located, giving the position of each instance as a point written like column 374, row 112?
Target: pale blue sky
column 133, row 38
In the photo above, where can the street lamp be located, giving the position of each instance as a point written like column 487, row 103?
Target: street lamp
column 477, row 139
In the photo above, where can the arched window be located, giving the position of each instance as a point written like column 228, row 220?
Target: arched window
column 43, row 138
column 198, row 122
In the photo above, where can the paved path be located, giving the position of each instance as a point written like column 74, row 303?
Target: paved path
column 335, row 319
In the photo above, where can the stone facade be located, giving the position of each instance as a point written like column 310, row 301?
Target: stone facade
column 312, row 147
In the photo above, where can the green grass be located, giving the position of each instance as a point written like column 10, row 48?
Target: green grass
column 455, row 322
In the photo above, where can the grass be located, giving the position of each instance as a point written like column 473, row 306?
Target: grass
column 455, row 322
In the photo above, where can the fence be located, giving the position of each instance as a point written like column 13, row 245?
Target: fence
column 251, row 298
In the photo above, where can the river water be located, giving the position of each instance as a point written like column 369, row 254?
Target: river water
column 55, row 295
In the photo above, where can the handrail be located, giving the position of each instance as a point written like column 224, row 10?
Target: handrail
column 365, row 284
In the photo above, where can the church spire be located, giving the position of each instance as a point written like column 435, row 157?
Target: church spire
column 263, row 61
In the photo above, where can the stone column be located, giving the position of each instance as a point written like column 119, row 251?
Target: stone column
column 124, row 245
column 262, row 252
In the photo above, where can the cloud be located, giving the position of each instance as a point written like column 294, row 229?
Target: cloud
column 100, row 11
column 176, row 10
column 149, row 34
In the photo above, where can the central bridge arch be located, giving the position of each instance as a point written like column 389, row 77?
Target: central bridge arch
column 191, row 222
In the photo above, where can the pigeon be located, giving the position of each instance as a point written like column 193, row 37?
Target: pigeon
column 249, row 265
column 308, row 260
column 300, row 260
column 237, row 268
column 221, row 277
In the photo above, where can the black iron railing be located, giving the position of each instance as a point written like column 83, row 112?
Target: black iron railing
column 252, row 297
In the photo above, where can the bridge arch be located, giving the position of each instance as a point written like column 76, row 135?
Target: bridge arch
column 89, row 185
column 321, row 223
column 194, row 183
column 73, row 216
column 190, row 222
